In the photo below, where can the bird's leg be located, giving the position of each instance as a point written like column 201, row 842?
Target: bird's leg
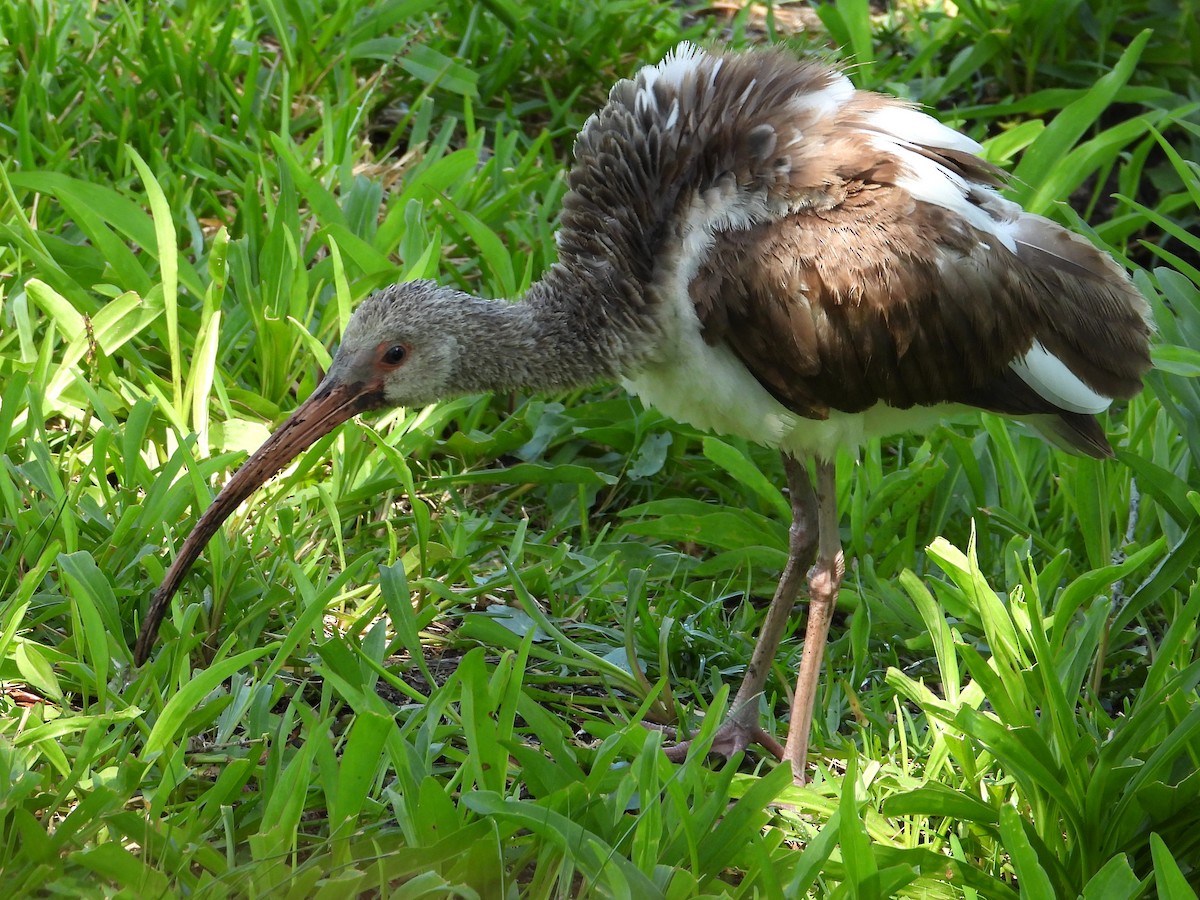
column 742, row 727
column 824, row 580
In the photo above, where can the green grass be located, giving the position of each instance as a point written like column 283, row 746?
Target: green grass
column 419, row 662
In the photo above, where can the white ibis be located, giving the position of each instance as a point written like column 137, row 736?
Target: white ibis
column 757, row 248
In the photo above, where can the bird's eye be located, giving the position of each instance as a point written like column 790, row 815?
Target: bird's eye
column 394, row 355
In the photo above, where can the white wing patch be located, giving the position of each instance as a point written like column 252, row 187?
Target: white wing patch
column 931, row 183
column 673, row 116
column 915, row 127
column 674, row 70
column 676, row 66
column 1050, row 377
column 827, row 101
column 897, row 130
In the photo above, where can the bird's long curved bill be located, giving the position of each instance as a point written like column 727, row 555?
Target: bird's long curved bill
column 330, row 405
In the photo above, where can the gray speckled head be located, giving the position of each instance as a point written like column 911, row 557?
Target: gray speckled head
column 408, row 339
column 418, row 342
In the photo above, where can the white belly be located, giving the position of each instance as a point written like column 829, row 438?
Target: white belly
column 710, row 388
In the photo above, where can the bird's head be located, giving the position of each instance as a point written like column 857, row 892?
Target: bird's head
column 400, row 348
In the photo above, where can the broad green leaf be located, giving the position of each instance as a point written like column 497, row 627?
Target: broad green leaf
column 1184, row 361
column 167, row 728
column 360, row 765
column 1167, row 875
column 434, row 68
column 1115, row 881
column 940, row 800
column 168, row 261
column 595, row 858
column 281, row 815
column 747, row 475
column 1035, row 883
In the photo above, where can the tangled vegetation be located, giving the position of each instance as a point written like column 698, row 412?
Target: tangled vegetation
column 421, row 662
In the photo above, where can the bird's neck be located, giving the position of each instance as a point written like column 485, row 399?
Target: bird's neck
column 569, row 330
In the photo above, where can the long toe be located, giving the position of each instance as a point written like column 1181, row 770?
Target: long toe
column 734, row 736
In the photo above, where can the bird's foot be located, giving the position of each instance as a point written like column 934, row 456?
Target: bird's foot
column 733, row 736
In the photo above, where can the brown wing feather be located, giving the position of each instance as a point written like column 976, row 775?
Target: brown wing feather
column 885, row 299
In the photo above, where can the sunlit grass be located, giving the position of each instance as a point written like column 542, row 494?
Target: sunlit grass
column 419, row 662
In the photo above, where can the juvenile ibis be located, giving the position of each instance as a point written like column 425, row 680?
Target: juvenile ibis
column 756, row 248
